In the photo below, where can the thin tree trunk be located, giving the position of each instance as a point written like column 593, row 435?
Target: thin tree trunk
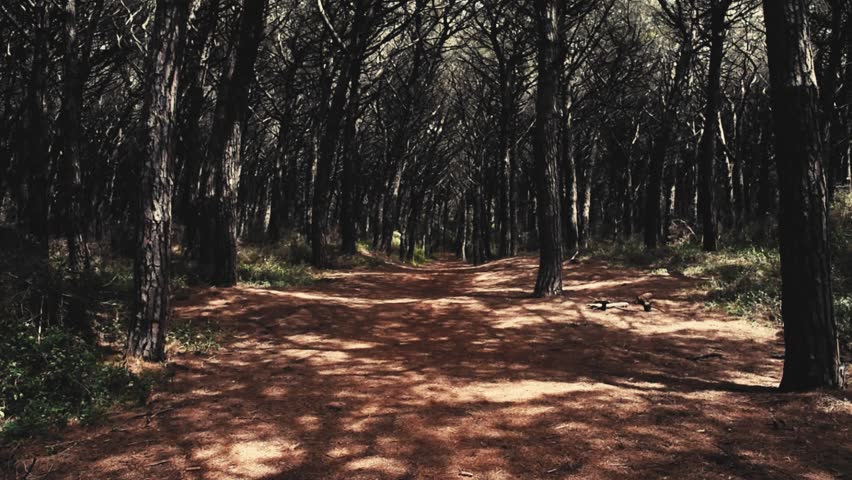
column 812, row 354
column 707, row 156
column 36, row 148
column 546, row 150
column 569, row 180
column 653, row 192
column 150, row 317
column 75, row 62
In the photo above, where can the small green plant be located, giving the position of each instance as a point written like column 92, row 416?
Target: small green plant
column 420, row 257
column 198, row 336
column 272, row 267
column 271, row 273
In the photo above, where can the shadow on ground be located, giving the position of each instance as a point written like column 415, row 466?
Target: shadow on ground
column 453, row 371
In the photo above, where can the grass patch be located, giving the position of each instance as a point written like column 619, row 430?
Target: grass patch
column 744, row 282
column 198, row 336
column 273, row 266
column 741, row 281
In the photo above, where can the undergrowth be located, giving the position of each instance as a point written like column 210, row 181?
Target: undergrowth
column 277, row 266
column 745, row 281
column 198, row 336
column 50, row 374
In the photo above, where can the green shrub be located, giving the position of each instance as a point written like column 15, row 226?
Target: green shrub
column 272, row 266
column 420, row 257
column 50, row 377
column 843, row 314
column 196, row 336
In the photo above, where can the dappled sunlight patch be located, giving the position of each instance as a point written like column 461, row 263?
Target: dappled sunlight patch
column 507, row 391
column 329, row 342
column 432, row 372
column 379, row 464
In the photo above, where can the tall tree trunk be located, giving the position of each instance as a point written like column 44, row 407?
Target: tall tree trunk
column 325, row 163
column 812, row 354
column 569, row 180
column 832, row 126
column 279, row 210
column 546, row 150
column 585, row 193
column 146, row 337
column 73, row 227
column 707, row 156
column 226, row 140
column 192, row 192
column 35, row 149
column 653, row 192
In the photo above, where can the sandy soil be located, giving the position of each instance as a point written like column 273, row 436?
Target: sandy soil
column 452, row 371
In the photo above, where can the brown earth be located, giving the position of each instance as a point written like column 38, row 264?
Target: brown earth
column 454, row 372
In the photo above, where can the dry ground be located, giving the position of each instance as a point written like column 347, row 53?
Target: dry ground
column 453, row 372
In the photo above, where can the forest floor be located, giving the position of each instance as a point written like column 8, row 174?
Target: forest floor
column 452, row 371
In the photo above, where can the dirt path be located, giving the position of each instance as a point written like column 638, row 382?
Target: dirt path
column 452, row 371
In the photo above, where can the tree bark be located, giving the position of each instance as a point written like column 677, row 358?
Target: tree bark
column 226, row 140
column 569, row 181
column 36, row 149
column 76, row 70
column 707, row 155
column 546, row 150
column 832, row 126
column 812, row 356
column 149, row 321
column 653, row 193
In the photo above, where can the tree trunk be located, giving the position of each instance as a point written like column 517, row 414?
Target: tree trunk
column 546, row 151
column 36, row 148
column 146, row 337
column 832, row 126
column 279, row 208
column 569, row 181
column 812, row 357
column 707, row 156
column 75, row 65
column 653, row 192
column 226, row 140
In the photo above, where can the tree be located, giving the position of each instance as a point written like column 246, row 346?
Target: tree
column 76, row 61
column 545, row 150
column 678, row 16
column 707, row 148
column 150, row 317
column 812, row 357
column 226, row 140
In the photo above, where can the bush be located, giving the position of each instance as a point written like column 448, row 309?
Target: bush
column 420, row 257
column 50, row 377
column 273, row 267
column 197, row 336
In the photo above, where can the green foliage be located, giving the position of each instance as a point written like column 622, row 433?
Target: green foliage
column 49, row 377
column 841, row 264
column 198, row 336
column 274, row 266
column 420, row 257
column 396, row 240
column 741, row 281
column 841, row 240
column 746, row 281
